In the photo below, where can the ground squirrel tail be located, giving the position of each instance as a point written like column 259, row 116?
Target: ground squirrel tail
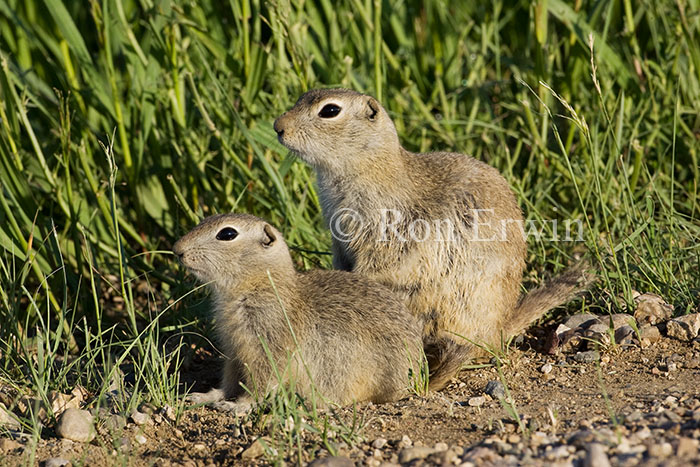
column 445, row 359
column 446, row 356
column 539, row 301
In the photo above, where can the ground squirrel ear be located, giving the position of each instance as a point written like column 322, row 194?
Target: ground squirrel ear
column 372, row 109
column 269, row 236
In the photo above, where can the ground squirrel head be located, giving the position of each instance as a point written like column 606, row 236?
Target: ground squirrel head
column 231, row 250
column 337, row 130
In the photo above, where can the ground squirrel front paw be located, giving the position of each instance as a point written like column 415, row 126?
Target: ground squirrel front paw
column 237, row 408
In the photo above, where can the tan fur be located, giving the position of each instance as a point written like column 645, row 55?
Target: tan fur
column 460, row 281
column 355, row 340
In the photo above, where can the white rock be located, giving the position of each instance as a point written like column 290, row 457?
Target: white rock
column 684, row 328
column 477, row 401
column 76, row 425
column 379, row 443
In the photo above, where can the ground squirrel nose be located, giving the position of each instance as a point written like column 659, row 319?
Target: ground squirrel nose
column 278, row 128
column 177, row 249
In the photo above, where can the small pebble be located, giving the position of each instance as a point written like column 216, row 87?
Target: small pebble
column 635, row 416
column 253, row 451
column 596, row 456
column 8, row 445
column 446, row 457
column 495, row 389
column 539, row 438
column 113, row 423
column 169, row 413
column 141, row 439
column 589, row 356
column 558, row 452
column 624, row 335
column 379, row 443
column 405, row 442
column 481, row 455
column 139, row 418
column 477, row 401
column 661, row 450
column 649, row 335
column 8, row 419
column 147, row 408
column 124, row 444
column 546, row 368
column 410, row 454
column 441, row 447
column 687, row 447
column 56, row 462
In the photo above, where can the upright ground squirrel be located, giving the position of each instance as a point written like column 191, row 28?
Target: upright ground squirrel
column 442, row 229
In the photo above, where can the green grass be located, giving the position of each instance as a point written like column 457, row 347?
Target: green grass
column 123, row 122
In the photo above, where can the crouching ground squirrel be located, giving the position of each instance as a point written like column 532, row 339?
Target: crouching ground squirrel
column 348, row 336
column 442, row 229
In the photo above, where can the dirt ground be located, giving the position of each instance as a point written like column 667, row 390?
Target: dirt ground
column 639, row 406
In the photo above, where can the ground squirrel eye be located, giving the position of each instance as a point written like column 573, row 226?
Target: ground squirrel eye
column 226, row 234
column 329, row 111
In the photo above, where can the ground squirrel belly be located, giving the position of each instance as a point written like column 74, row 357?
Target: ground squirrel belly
column 443, row 230
column 353, row 339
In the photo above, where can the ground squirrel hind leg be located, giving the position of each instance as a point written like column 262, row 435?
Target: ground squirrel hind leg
column 230, row 387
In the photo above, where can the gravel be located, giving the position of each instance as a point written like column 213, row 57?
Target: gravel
column 655, row 419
